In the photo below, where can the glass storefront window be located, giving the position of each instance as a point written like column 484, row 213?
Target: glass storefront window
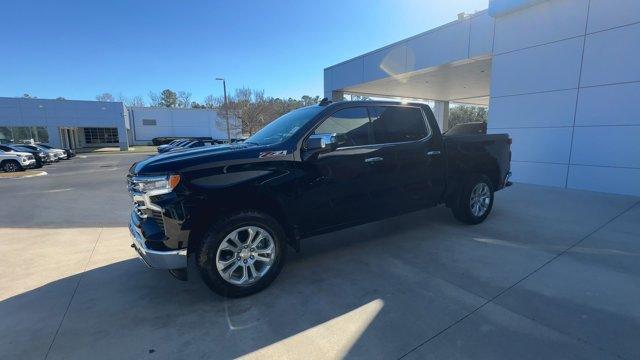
column 101, row 135
column 19, row 134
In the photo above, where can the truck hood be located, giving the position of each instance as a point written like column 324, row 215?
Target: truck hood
column 189, row 159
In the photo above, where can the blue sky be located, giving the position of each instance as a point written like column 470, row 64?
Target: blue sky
column 78, row 49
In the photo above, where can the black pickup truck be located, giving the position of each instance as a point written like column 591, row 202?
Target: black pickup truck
column 317, row 169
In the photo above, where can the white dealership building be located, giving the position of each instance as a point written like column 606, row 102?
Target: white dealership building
column 562, row 77
column 79, row 124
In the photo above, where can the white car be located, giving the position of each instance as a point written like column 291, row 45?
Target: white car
column 16, row 161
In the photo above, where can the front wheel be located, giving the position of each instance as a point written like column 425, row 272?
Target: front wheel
column 242, row 254
column 11, row 166
column 474, row 201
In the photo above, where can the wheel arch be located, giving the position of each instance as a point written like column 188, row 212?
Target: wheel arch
column 207, row 212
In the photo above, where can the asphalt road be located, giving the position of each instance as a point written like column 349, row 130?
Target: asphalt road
column 552, row 273
column 88, row 190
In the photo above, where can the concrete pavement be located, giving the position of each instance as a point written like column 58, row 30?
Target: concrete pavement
column 552, row 273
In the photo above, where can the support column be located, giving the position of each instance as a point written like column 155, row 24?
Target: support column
column 441, row 112
column 123, row 138
column 54, row 136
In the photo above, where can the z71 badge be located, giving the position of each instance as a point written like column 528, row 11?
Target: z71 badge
column 268, row 154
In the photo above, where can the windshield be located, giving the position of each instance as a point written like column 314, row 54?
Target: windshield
column 284, row 127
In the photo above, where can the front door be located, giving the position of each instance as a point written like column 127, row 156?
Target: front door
column 335, row 191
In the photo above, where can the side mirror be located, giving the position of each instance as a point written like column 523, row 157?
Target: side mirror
column 321, row 143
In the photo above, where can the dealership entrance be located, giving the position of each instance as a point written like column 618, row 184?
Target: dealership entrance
column 69, row 137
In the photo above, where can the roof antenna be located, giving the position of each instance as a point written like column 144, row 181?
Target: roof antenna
column 324, row 102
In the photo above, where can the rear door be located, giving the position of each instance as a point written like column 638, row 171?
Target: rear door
column 410, row 174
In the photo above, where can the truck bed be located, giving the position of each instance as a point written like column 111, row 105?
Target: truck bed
column 467, row 153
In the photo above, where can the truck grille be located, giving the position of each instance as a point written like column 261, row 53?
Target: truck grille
column 150, row 214
column 157, row 217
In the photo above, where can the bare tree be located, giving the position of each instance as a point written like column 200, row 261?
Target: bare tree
column 105, row 97
column 211, row 101
column 183, row 99
column 137, row 101
column 155, row 99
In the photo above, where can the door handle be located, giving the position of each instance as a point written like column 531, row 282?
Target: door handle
column 373, row 160
column 433, row 153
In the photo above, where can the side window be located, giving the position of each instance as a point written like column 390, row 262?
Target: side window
column 351, row 126
column 397, row 124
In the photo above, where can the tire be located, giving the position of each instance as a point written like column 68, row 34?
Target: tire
column 218, row 249
column 11, row 166
column 465, row 209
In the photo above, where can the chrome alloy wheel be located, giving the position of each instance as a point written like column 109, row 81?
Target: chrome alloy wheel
column 480, row 199
column 245, row 255
column 10, row 167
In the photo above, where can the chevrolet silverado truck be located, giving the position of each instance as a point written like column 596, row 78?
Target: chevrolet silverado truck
column 238, row 207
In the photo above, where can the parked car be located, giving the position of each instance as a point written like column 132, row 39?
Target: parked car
column 317, row 169
column 52, row 156
column 164, row 140
column 39, row 156
column 166, row 147
column 189, row 145
column 468, row 128
column 68, row 153
column 16, row 161
column 169, row 147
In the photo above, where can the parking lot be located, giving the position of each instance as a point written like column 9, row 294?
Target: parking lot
column 552, row 273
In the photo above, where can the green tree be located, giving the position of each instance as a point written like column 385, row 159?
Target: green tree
column 168, row 98
column 105, row 97
column 461, row 114
column 308, row 100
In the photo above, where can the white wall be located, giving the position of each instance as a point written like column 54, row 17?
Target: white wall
column 54, row 114
column 565, row 85
column 177, row 123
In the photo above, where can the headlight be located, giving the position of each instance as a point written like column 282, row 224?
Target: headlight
column 155, row 185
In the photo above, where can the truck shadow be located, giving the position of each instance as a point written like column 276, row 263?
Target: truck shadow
column 126, row 311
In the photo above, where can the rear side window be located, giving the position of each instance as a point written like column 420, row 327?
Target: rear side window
column 392, row 124
column 351, row 126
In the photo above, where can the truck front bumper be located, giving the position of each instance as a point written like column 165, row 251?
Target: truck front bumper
column 170, row 260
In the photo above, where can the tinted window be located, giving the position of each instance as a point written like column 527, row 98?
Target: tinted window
column 351, row 125
column 5, row 148
column 397, row 124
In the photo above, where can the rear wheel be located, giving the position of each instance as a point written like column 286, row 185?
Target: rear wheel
column 242, row 254
column 11, row 166
column 474, row 201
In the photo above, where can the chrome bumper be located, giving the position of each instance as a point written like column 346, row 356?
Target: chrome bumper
column 170, row 260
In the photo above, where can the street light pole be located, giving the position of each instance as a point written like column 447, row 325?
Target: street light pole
column 226, row 107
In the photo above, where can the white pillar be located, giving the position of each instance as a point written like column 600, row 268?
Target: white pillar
column 441, row 112
column 123, row 138
column 54, row 136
